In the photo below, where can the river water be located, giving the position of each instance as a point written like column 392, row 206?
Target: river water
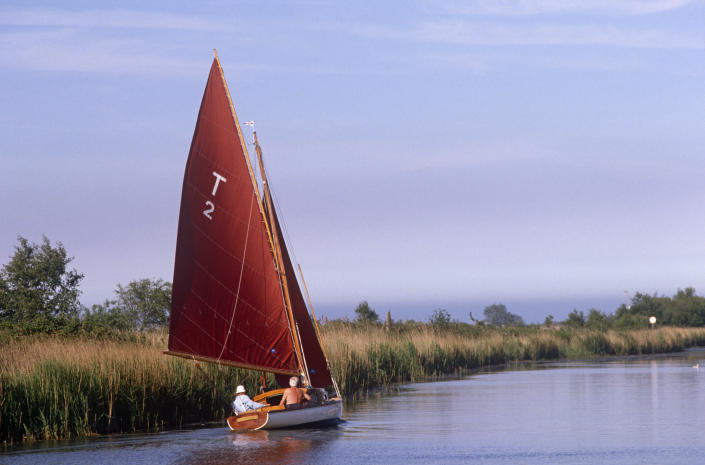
column 633, row 411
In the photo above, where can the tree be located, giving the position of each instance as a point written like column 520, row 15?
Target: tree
column 440, row 318
column 37, row 290
column 645, row 305
column 575, row 319
column 683, row 309
column 597, row 320
column 497, row 314
column 145, row 302
column 365, row 313
column 102, row 317
column 548, row 321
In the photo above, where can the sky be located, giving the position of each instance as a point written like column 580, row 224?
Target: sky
column 544, row 154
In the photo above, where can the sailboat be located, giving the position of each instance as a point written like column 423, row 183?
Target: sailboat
column 236, row 299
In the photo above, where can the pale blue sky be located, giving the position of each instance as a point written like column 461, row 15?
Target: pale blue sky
column 546, row 154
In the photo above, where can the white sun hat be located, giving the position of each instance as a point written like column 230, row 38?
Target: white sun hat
column 240, row 389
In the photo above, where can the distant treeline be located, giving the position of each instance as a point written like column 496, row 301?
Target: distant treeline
column 40, row 294
column 684, row 309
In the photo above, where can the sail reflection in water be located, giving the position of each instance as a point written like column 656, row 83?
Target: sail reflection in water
column 276, row 446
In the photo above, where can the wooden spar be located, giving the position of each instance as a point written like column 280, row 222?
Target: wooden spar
column 227, row 362
column 308, row 297
column 280, row 264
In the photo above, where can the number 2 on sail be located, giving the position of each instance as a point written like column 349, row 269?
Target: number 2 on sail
column 209, row 210
column 210, row 207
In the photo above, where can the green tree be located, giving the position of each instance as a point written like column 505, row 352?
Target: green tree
column 685, row 309
column 101, row 317
column 37, row 290
column 597, row 320
column 630, row 321
column 440, row 318
column 548, row 321
column 575, row 319
column 144, row 302
column 645, row 305
column 498, row 315
column 365, row 313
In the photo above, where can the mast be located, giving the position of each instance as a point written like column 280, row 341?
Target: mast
column 314, row 361
column 280, row 267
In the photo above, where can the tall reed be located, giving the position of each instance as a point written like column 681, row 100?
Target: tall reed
column 371, row 356
column 52, row 387
column 63, row 388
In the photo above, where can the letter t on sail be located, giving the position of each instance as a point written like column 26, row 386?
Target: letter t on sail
column 218, row 178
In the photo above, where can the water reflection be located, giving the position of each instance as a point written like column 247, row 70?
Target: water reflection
column 281, row 446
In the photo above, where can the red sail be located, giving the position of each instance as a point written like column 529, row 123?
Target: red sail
column 315, row 360
column 227, row 304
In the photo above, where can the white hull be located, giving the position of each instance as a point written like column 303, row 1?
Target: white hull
column 278, row 417
column 302, row 416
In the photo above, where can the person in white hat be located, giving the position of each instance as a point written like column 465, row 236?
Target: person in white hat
column 242, row 402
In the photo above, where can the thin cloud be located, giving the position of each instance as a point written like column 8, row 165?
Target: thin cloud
column 540, row 7
column 122, row 19
column 59, row 50
column 463, row 32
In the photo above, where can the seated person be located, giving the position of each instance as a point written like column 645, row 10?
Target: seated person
column 293, row 395
column 318, row 396
column 242, row 401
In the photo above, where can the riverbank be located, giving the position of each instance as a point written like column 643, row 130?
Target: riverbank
column 53, row 387
column 364, row 358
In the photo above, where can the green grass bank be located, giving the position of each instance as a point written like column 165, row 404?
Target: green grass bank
column 58, row 387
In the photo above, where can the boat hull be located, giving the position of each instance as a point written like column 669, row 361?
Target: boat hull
column 276, row 419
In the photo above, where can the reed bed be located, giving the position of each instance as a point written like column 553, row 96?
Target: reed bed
column 372, row 356
column 53, row 387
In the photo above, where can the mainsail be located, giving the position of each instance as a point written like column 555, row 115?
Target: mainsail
column 227, row 304
column 229, row 301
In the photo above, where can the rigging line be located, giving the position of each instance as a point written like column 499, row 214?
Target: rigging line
column 239, row 282
column 318, row 332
